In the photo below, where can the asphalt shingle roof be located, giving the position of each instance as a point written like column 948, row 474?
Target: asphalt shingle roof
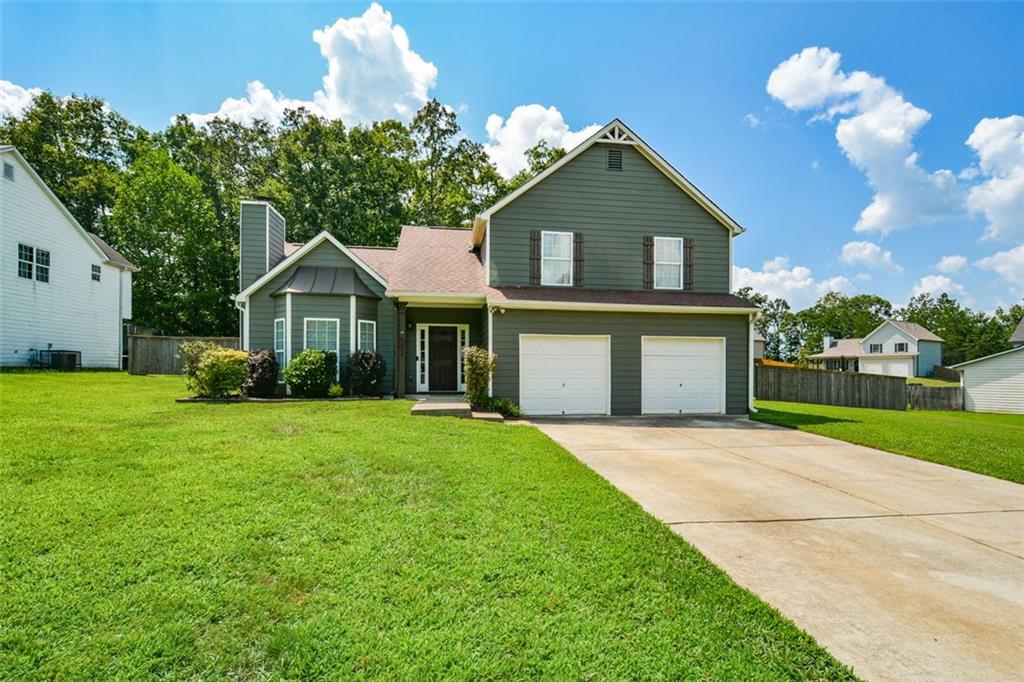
column 436, row 260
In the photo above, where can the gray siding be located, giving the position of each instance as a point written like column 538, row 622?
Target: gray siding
column 275, row 229
column 252, row 244
column 929, row 355
column 614, row 210
column 263, row 308
column 625, row 330
column 414, row 316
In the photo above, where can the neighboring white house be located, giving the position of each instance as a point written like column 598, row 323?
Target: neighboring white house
column 893, row 348
column 61, row 288
column 758, row 346
column 994, row 383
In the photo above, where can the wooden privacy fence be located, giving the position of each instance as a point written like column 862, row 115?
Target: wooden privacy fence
column 824, row 387
column 935, row 398
column 941, row 372
column 161, row 354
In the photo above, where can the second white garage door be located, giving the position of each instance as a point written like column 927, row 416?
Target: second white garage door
column 563, row 374
column 683, row 375
column 892, row 368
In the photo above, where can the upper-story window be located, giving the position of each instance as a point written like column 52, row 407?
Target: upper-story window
column 8, row 171
column 875, row 348
column 96, row 273
column 668, row 263
column 902, row 347
column 556, row 258
column 32, row 260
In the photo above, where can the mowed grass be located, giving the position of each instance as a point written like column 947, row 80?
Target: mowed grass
column 991, row 444
column 145, row 538
column 933, row 382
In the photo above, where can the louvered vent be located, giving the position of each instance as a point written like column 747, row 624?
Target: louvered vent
column 614, row 159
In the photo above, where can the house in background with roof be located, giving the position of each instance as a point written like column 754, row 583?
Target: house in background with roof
column 894, row 348
column 61, row 288
column 602, row 285
column 995, row 383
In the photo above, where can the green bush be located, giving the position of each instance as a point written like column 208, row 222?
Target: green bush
column 192, row 353
column 364, row 372
column 335, row 391
column 221, row 372
column 311, row 373
column 477, row 367
column 503, row 406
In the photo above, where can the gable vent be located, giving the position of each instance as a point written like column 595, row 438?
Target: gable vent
column 8, row 171
column 614, row 159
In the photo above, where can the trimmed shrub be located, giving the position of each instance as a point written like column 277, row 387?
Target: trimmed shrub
column 221, row 372
column 311, row 373
column 192, row 353
column 335, row 391
column 503, row 406
column 477, row 367
column 364, row 372
column 260, row 374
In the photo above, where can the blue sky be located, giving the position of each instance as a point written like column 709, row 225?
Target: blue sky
column 899, row 202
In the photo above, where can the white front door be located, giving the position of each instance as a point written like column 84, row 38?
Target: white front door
column 682, row 375
column 564, row 374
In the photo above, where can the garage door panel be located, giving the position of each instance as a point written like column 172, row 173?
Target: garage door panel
column 563, row 375
column 682, row 376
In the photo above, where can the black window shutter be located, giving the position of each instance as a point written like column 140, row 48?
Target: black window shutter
column 687, row 264
column 535, row 257
column 577, row 259
column 648, row 262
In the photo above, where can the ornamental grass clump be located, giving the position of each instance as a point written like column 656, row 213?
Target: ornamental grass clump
column 311, row 373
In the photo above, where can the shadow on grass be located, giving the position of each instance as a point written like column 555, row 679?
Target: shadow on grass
column 795, row 420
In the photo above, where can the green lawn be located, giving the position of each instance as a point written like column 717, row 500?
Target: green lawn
column 932, row 381
column 991, row 444
column 145, row 538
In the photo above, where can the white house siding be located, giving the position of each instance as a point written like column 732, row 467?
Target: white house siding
column 71, row 312
column 995, row 384
column 893, row 363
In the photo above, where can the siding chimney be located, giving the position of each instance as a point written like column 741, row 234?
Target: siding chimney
column 260, row 240
column 827, row 342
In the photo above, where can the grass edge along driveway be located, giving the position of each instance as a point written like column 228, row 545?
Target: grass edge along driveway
column 146, row 538
column 989, row 444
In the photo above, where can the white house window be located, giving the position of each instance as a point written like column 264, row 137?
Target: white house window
column 668, row 263
column 322, row 333
column 95, row 273
column 279, row 331
column 8, row 171
column 32, row 259
column 901, row 347
column 556, row 258
column 26, row 258
column 367, row 335
column 875, row 348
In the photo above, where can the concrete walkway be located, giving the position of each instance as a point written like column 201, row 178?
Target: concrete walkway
column 903, row 569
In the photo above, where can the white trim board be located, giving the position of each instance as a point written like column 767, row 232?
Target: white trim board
column 615, row 307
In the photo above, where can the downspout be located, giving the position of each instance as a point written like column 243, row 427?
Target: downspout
column 750, row 365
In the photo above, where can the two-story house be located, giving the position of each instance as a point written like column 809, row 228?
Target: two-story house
column 602, row 285
column 61, row 288
column 893, row 348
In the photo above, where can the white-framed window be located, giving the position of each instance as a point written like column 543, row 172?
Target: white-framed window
column 321, row 333
column 8, row 171
column 875, row 348
column 367, row 339
column 668, row 263
column 33, row 260
column 556, row 258
column 279, row 345
column 96, row 270
column 902, row 347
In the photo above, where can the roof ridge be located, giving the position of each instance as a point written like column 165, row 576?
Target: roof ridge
column 360, row 246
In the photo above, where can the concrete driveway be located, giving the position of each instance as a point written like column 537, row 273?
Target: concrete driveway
column 903, row 569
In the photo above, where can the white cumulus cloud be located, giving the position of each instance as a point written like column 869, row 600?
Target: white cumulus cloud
column 14, row 99
column 372, row 74
column 951, row 264
column 868, row 254
column 875, row 130
column 527, row 125
column 938, row 284
column 999, row 144
column 794, row 283
column 1007, row 264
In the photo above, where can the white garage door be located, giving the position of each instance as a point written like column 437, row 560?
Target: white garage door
column 563, row 374
column 683, row 375
column 892, row 368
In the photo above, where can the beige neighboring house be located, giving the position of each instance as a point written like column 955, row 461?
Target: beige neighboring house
column 894, row 348
column 995, row 383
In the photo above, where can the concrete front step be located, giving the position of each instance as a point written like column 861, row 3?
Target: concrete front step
column 442, row 406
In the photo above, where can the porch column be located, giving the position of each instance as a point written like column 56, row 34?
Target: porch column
column 400, row 350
